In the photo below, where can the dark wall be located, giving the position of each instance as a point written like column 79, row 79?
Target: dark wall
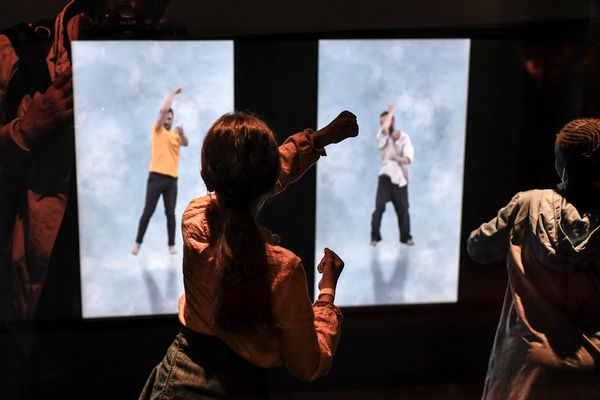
column 277, row 79
column 236, row 17
column 513, row 114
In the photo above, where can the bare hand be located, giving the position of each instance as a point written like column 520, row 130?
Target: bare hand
column 392, row 109
column 179, row 129
column 331, row 266
column 177, row 89
column 48, row 111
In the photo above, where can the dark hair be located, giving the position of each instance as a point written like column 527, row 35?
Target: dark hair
column 170, row 110
column 240, row 162
column 579, row 144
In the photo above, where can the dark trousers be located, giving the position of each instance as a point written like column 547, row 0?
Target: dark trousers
column 387, row 191
column 167, row 186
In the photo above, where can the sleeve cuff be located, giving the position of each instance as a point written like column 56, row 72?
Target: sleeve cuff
column 17, row 135
column 327, row 307
column 306, row 142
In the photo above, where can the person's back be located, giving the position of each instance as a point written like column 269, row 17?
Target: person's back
column 246, row 305
column 291, row 307
column 548, row 340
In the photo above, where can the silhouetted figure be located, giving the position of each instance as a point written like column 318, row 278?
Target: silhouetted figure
column 39, row 256
column 547, row 344
column 246, row 306
column 38, row 216
column 397, row 152
column 164, row 166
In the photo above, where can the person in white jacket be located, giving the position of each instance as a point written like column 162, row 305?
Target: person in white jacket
column 547, row 344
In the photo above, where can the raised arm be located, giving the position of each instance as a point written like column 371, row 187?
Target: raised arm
column 162, row 113
column 382, row 138
column 302, row 150
column 383, row 134
column 386, row 122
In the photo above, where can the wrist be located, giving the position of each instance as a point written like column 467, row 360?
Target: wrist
column 326, row 298
column 319, row 139
column 327, row 282
column 326, row 294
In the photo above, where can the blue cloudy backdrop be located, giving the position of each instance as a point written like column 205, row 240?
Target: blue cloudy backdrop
column 427, row 80
column 119, row 88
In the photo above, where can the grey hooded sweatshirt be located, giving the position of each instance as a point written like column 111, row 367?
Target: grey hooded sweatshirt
column 547, row 344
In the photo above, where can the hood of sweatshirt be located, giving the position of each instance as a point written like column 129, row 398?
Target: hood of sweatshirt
column 561, row 233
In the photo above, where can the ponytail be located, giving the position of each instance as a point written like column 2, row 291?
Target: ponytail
column 244, row 296
column 240, row 162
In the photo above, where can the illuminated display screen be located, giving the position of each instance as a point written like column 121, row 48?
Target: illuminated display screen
column 119, row 88
column 427, row 80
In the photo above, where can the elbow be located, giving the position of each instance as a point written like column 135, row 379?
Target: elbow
column 311, row 375
column 312, row 371
column 473, row 250
column 311, row 378
column 306, row 377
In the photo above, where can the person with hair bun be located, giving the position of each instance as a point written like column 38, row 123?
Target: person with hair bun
column 246, row 306
column 547, row 344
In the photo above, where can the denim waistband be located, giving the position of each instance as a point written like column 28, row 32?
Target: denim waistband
column 198, row 339
column 209, row 349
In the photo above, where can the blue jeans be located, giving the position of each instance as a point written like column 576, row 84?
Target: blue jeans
column 199, row 366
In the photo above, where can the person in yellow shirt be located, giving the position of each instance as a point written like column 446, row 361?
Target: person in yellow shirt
column 162, row 179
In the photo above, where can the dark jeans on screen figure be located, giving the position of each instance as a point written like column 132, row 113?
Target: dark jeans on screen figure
column 167, row 186
column 387, row 191
column 199, row 366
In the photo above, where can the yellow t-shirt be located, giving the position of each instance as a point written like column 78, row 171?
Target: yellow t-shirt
column 165, row 151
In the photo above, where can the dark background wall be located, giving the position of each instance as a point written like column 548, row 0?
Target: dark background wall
column 228, row 17
column 532, row 69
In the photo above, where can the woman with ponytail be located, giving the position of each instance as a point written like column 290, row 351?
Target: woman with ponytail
column 246, row 306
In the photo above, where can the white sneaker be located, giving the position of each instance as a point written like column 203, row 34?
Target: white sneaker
column 136, row 249
column 172, row 250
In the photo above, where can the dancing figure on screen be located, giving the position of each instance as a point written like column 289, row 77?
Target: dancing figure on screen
column 162, row 179
column 397, row 152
